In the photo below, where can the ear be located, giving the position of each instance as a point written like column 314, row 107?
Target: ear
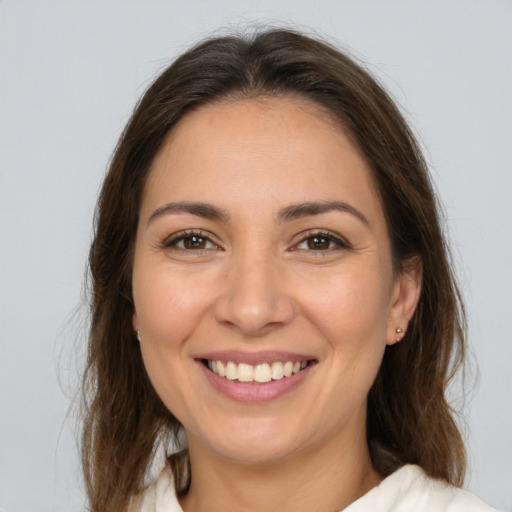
column 135, row 321
column 406, row 294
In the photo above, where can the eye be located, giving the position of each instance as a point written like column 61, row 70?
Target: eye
column 322, row 242
column 190, row 241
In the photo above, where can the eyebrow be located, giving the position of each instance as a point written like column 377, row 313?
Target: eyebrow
column 296, row 211
column 292, row 212
column 205, row 210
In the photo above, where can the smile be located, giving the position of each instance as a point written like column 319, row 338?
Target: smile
column 261, row 373
column 255, row 377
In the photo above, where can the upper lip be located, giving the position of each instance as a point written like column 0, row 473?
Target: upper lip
column 253, row 358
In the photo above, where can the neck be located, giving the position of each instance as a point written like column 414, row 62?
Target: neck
column 315, row 480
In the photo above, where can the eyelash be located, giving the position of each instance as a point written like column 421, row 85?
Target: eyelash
column 331, row 238
column 340, row 243
column 182, row 236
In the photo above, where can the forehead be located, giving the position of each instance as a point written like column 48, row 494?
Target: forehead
column 250, row 150
column 294, row 118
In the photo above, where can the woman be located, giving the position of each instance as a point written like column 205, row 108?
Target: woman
column 269, row 277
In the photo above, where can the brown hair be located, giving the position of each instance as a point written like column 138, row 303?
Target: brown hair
column 409, row 419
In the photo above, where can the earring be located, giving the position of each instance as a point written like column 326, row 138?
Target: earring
column 138, row 335
column 400, row 332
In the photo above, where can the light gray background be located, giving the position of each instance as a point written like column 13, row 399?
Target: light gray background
column 71, row 72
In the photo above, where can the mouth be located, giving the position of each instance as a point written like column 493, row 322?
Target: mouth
column 261, row 373
column 255, row 377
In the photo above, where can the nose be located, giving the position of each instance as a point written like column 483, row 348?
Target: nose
column 254, row 300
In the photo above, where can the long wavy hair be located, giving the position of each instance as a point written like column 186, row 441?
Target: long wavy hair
column 409, row 419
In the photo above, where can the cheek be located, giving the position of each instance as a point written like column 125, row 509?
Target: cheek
column 170, row 305
column 169, row 310
column 350, row 312
column 349, row 307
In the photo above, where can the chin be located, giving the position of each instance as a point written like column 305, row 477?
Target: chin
column 256, row 454
column 254, row 445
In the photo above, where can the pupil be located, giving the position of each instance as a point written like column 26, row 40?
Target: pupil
column 194, row 242
column 318, row 242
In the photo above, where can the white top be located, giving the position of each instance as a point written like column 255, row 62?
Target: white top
column 407, row 490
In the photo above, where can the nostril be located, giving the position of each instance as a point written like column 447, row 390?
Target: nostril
column 253, row 315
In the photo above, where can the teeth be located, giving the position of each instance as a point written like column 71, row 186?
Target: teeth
column 231, row 371
column 261, row 373
column 277, row 371
column 245, row 372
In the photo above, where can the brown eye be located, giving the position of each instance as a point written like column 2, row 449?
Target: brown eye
column 318, row 243
column 190, row 242
column 322, row 242
column 194, row 242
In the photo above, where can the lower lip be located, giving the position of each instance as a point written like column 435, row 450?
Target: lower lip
column 254, row 391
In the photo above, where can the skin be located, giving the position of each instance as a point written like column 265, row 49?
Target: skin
column 257, row 282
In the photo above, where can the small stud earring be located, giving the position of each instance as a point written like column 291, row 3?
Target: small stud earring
column 399, row 331
column 138, row 336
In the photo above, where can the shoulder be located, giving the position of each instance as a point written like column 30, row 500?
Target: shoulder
column 410, row 488
column 160, row 496
column 407, row 489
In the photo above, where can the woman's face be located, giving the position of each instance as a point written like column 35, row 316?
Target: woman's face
column 261, row 251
